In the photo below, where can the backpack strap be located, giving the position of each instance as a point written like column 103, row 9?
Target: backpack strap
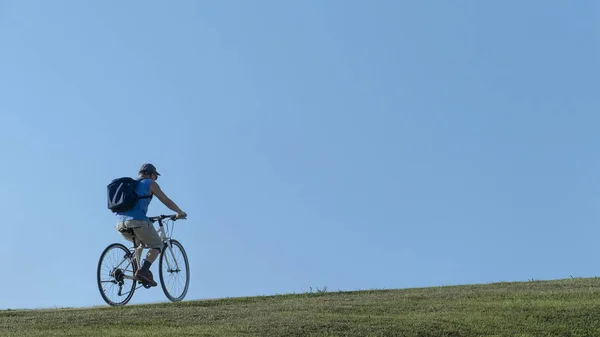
column 146, row 196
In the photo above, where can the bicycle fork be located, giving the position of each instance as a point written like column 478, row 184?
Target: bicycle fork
column 169, row 266
column 169, row 247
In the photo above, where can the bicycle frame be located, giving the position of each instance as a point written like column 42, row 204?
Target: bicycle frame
column 166, row 239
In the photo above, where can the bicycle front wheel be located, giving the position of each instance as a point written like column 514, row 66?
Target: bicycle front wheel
column 174, row 271
column 115, row 275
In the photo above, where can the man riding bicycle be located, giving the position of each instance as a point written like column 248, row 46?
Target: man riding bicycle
column 137, row 220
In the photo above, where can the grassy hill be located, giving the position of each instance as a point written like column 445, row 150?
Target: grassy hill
column 568, row 307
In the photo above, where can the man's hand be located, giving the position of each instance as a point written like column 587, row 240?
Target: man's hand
column 181, row 215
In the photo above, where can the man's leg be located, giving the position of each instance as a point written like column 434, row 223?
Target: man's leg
column 150, row 258
column 124, row 230
column 150, row 239
column 138, row 254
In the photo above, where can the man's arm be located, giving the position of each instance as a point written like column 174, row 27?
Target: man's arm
column 155, row 189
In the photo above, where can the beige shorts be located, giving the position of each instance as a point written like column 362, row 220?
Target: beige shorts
column 144, row 231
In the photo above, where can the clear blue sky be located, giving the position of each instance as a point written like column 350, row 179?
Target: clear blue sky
column 347, row 144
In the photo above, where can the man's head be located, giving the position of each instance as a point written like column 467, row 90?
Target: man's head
column 148, row 171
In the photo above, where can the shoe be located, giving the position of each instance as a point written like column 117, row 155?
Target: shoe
column 146, row 277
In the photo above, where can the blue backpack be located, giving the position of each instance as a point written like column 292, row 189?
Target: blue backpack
column 121, row 194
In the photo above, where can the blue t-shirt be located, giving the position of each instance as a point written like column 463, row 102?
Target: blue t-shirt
column 139, row 211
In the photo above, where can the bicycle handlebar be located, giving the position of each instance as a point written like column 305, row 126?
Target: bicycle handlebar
column 162, row 217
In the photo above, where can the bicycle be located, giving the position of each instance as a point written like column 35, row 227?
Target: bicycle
column 126, row 263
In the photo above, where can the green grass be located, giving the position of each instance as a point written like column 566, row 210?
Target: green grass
column 568, row 307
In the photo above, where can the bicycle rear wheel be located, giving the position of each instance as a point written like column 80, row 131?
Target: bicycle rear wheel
column 114, row 274
column 174, row 271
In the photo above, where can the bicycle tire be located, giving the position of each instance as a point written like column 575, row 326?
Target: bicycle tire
column 98, row 275
column 172, row 298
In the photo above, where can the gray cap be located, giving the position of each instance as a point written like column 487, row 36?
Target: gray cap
column 149, row 168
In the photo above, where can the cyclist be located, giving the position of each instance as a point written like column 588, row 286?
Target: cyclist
column 137, row 220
